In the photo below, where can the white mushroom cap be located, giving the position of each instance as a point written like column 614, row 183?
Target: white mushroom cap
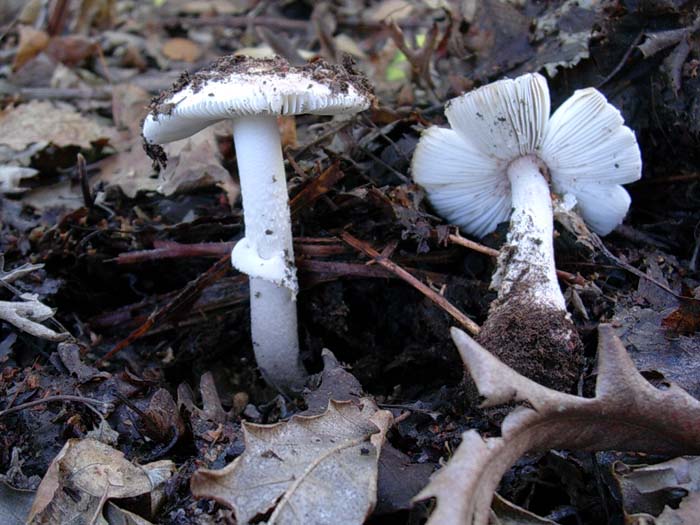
column 585, row 146
column 241, row 86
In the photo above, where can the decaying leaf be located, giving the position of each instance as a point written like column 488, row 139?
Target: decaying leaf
column 211, row 410
column 334, row 382
column 192, row 163
column 70, row 357
column 627, row 413
column 311, row 470
column 686, row 318
column 564, row 33
column 85, row 475
column 653, row 351
column 43, row 123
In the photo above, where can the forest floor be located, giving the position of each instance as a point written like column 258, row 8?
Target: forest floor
column 143, row 373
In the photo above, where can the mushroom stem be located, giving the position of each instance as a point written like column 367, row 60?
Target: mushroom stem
column 526, row 267
column 266, row 253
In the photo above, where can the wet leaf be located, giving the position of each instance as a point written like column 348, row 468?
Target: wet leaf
column 334, row 382
column 316, row 469
column 652, row 350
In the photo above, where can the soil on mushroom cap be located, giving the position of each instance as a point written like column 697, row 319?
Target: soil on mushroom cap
column 540, row 343
column 337, row 77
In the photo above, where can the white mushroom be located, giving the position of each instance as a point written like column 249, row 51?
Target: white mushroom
column 505, row 156
column 252, row 93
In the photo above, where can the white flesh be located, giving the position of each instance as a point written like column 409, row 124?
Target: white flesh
column 269, row 233
column 526, row 267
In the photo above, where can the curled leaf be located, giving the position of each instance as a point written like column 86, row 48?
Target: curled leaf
column 627, row 413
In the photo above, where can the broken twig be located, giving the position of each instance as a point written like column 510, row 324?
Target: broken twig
column 438, row 299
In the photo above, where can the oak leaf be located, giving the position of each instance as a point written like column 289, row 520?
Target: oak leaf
column 626, row 414
column 310, row 470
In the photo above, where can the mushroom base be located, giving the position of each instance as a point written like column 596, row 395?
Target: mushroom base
column 540, row 343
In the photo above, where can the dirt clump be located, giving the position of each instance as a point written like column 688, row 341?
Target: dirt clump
column 540, row 343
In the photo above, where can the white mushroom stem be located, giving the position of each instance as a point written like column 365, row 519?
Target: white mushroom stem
column 526, row 270
column 266, row 254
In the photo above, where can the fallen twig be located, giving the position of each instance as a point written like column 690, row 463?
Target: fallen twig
column 53, row 399
column 438, row 299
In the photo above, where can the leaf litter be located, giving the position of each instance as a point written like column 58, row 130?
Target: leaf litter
column 127, row 258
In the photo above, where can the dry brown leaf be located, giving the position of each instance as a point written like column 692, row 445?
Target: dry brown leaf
column 192, row 163
column 162, row 418
column 118, row 516
column 129, row 107
column 311, row 469
column 71, row 50
column 41, row 122
column 181, row 49
column 31, row 43
column 85, row 475
column 212, row 409
column 627, row 413
column 389, row 11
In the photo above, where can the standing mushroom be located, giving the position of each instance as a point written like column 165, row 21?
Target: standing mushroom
column 505, row 153
column 252, row 93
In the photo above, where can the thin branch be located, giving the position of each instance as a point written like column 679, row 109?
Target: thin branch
column 54, row 399
column 438, row 299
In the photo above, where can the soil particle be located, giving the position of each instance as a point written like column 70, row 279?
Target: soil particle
column 156, row 153
column 538, row 342
column 337, row 77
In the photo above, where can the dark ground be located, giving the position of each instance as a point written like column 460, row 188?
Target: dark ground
column 394, row 340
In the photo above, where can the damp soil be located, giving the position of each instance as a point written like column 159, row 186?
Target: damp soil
column 533, row 341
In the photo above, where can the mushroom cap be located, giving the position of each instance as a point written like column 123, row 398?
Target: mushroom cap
column 236, row 86
column 585, row 145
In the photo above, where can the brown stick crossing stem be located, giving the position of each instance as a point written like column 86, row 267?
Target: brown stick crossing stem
column 431, row 294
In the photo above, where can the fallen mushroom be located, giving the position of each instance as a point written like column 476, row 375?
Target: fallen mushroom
column 505, row 153
column 252, row 93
